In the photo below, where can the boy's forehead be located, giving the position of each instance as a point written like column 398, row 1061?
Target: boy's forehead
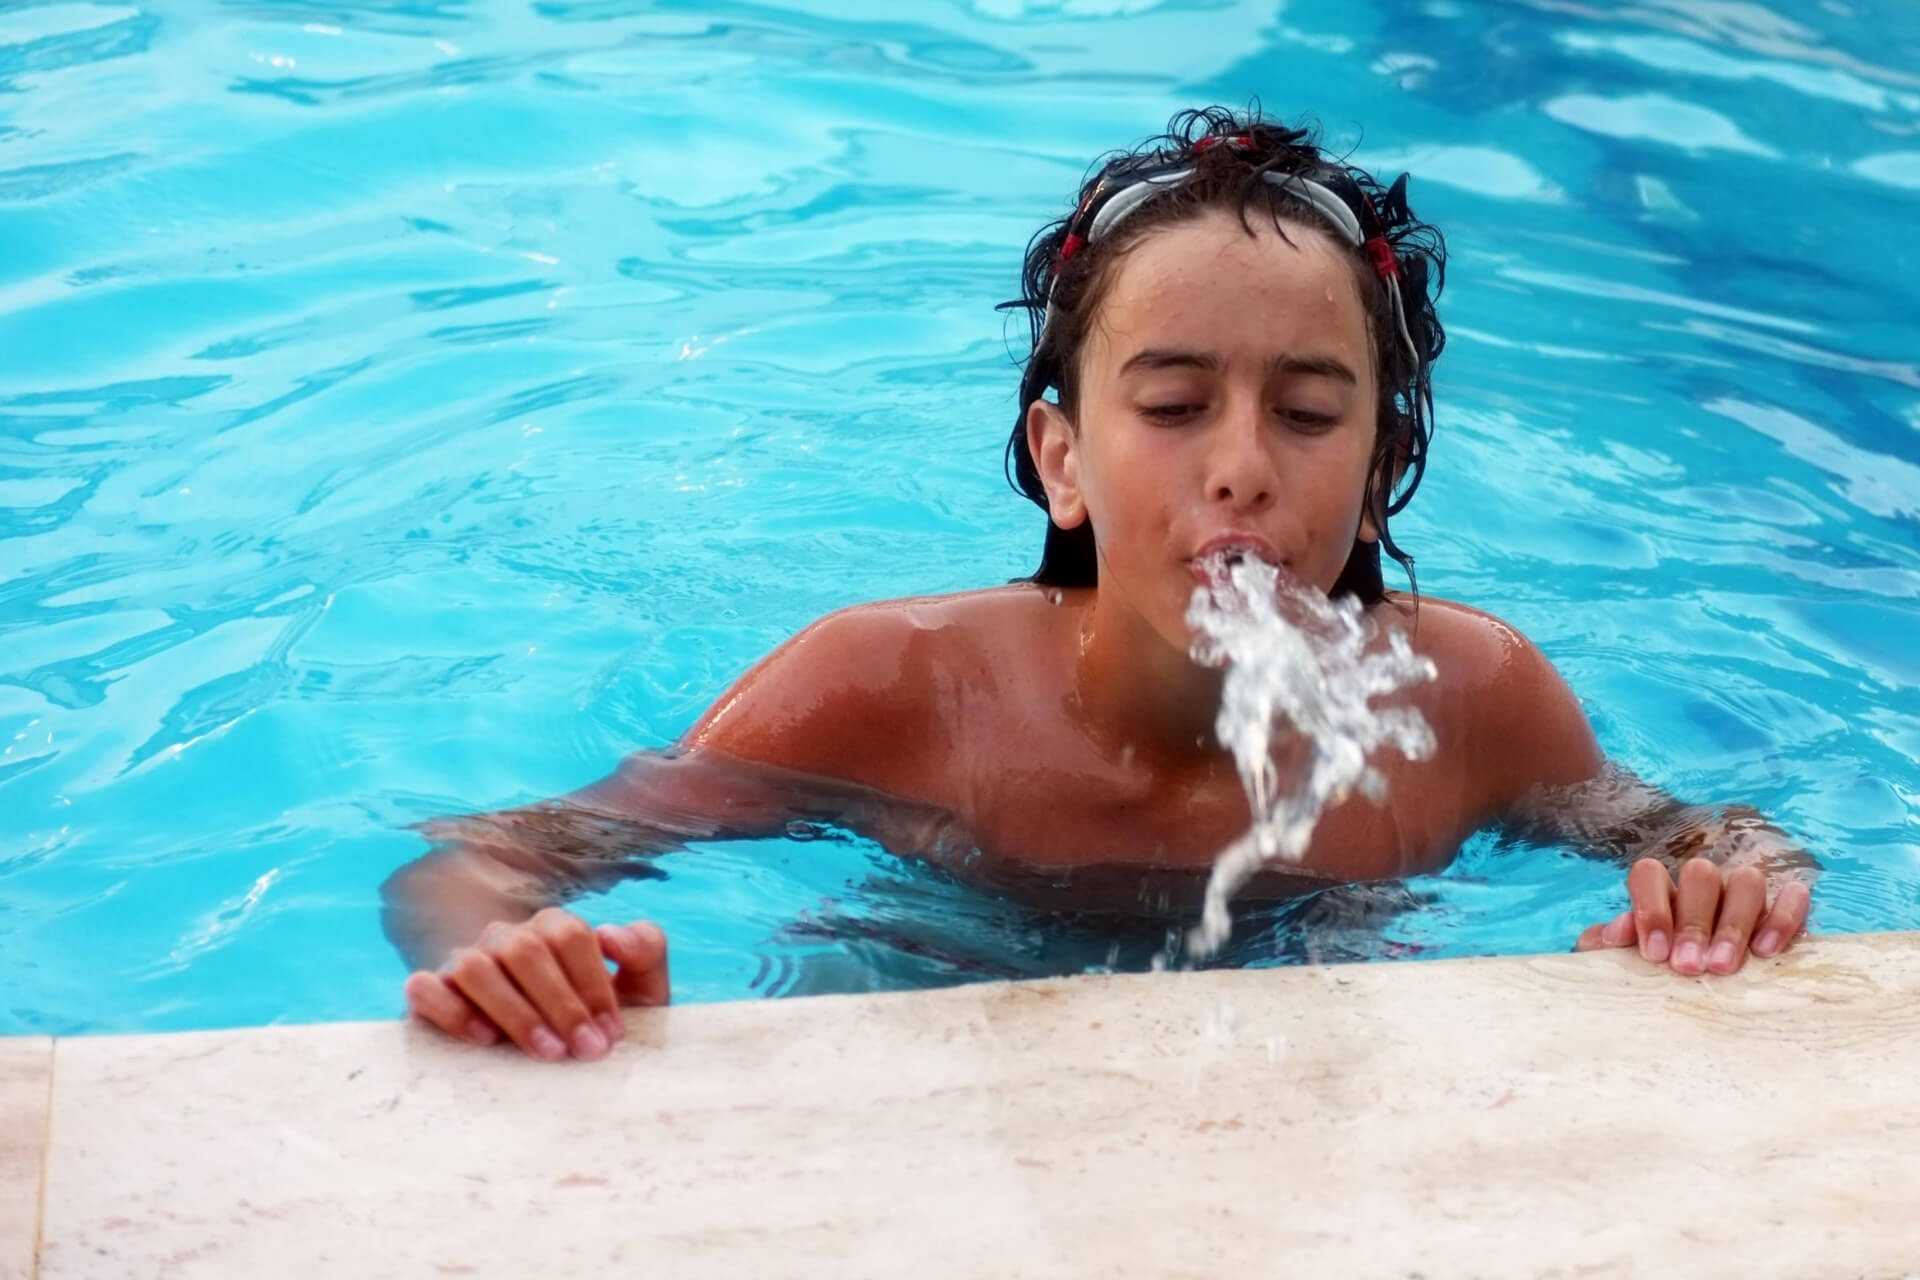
column 1209, row 280
column 1217, row 248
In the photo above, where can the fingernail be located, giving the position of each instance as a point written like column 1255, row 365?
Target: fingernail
column 1720, row 959
column 1767, row 943
column 481, row 1032
column 1657, row 947
column 1686, row 957
column 547, row 1046
column 588, row 1042
column 613, row 1028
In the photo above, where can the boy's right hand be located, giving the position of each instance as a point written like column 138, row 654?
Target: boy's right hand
column 544, row 984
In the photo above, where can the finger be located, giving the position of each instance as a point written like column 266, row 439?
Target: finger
column 640, row 949
column 1742, row 903
column 1698, row 904
column 436, row 1003
column 1784, row 923
column 479, row 977
column 573, row 945
column 1650, row 889
column 528, row 960
column 1617, row 932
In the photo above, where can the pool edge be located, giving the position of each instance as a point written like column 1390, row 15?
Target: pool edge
column 995, row 1048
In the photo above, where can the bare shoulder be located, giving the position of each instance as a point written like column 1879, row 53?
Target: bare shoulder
column 868, row 694
column 1498, row 700
column 1471, row 645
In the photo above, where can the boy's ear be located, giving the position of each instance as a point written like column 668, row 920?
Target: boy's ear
column 1056, row 456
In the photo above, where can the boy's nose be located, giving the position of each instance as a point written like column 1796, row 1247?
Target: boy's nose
column 1241, row 474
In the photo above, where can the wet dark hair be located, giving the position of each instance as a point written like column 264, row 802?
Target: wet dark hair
column 1234, row 176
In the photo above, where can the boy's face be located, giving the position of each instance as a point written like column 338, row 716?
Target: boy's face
column 1227, row 391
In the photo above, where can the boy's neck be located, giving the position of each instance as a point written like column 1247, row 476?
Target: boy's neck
column 1135, row 690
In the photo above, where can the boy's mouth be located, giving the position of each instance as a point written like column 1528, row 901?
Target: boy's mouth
column 1213, row 564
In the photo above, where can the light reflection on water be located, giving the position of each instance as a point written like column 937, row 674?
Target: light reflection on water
column 408, row 407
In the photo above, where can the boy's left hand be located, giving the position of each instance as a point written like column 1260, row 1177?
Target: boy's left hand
column 1708, row 923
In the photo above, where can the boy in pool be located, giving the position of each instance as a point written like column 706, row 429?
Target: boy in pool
column 1238, row 332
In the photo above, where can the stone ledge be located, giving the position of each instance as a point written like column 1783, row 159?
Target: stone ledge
column 1545, row 1115
column 26, row 1089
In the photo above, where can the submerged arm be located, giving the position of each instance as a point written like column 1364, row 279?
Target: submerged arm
column 477, row 917
column 815, row 733
column 505, row 867
column 1708, row 882
column 1618, row 816
column 806, row 736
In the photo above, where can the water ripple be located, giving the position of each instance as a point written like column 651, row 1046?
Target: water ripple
column 401, row 17
column 36, row 181
column 125, row 38
column 1753, row 28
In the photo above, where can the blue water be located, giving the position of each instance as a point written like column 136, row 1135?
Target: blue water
column 409, row 408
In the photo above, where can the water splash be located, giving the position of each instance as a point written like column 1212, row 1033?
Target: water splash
column 1300, row 664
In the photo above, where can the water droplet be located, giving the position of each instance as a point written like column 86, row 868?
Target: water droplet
column 1055, row 596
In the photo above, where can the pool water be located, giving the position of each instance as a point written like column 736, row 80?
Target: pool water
column 410, row 406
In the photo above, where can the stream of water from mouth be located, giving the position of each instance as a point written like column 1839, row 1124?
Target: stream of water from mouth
column 1296, row 664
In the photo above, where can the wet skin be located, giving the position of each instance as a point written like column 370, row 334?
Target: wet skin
column 1059, row 743
column 977, row 705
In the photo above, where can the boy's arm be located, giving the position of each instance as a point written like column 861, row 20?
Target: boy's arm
column 507, row 866
column 1707, row 883
column 1620, row 816
column 820, row 731
column 813, row 733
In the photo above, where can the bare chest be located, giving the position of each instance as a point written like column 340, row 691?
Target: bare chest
column 1033, row 790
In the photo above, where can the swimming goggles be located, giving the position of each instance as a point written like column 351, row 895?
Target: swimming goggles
column 1106, row 207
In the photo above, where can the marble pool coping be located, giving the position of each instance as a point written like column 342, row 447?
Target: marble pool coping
column 1524, row 1116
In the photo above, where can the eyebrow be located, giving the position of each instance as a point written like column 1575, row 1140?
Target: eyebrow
column 1298, row 366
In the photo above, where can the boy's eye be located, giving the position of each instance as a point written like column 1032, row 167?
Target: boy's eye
column 1308, row 419
column 1171, row 412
